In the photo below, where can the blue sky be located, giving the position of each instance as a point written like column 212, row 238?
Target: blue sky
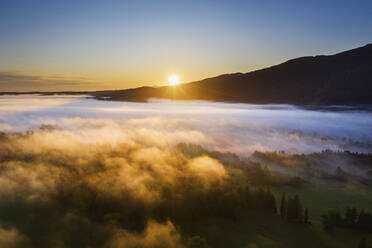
column 119, row 44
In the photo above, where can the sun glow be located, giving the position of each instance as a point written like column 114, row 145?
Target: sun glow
column 173, row 80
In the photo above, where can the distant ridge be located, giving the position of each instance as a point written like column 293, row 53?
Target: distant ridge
column 343, row 78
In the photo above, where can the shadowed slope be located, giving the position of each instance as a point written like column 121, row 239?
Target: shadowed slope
column 343, row 78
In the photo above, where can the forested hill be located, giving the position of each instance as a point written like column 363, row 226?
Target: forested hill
column 343, row 78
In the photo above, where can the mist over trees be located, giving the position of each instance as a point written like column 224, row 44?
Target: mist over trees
column 63, row 192
column 67, row 193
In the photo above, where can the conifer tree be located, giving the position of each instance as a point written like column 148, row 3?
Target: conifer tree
column 350, row 217
column 290, row 209
column 283, row 207
column 271, row 202
column 306, row 216
column 297, row 208
column 361, row 220
column 362, row 243
column 354, row 216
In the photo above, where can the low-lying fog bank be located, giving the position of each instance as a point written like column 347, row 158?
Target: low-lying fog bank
column 77, row 172
column 238, row 128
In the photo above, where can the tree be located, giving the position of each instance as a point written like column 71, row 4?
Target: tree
column 298, row 208
column 306, row 216
column 362, row 243
column 247, row 196
column 350, row 217
column 331, row 219
column 290, row 209
column 364, row 221
column 270, row 202
column 294, row 209
column 327, row 224
column 283, row 207
column 361, row 219
column 354, row 216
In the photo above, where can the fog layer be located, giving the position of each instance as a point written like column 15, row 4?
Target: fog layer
column 77, row 172
column 239, row 128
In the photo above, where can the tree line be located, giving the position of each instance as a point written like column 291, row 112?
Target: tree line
column 292, row 210
column 352, row 218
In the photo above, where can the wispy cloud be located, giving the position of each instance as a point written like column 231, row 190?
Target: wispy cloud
column 19, row 81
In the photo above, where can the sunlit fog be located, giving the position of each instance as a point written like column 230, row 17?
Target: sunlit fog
column 238, row 128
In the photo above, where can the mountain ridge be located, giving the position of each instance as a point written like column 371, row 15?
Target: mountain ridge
column 341, row 78
column 344, row 78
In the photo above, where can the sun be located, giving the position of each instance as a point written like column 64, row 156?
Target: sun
column 173, row 80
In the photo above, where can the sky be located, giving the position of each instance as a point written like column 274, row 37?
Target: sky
column 91, row 45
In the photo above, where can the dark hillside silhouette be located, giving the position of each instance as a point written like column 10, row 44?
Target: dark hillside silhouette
column 343, row 78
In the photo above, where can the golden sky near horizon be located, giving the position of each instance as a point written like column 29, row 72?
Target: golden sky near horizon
column 96, row 45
